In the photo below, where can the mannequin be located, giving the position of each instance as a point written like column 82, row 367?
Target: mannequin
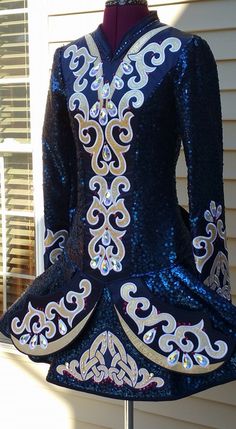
column 120, row 16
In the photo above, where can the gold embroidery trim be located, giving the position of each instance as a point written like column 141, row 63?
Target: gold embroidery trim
column 55, row 345
column 123, row 369
column 157, row 358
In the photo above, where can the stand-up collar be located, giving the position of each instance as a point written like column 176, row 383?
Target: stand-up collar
column 128, row 39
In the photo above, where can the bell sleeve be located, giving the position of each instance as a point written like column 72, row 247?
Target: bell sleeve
column 59, row 167
column 199, row 117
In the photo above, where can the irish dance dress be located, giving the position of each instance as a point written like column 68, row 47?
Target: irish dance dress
column 135, row 300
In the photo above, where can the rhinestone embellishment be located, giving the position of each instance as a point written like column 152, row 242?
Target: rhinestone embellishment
column 149, row 336
column 96, row 83
column 116, row 265
column 33, row 342
column 201, row 360
column 112, row 109
column 173, row 358
column 118, row 82
column 95, row 109
column 93, row 72
column 95, row 262
column 105, row 90
column 103, row 117
column 104, row 267
column 126, row 67
column 43, row 341
column 108, row 198
column 106, row 153
column 24, row 338
column 187, row 361
column 62, row 327
column 106, row 238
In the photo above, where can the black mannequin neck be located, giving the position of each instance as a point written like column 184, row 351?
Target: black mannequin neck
column 117, row 19
column 125, row 2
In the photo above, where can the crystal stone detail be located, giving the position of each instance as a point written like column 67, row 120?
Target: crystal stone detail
column 116, row 265
column 107, row 198
column 106, row 238
column 149, row 336
column 33, row 342
column 24, row 338
column 105, row 90
column 104, row 267
column 173, row 358
column 187, row 361
column 118, row 82
column 95, row 109
column 95, row 70
column 62, row 327
column 106, row 153
column 95, row 262
column 96, row 83
column 126, row 67
column 43, row 341
column 103, row 117
column 201, row 360
column 112, row 109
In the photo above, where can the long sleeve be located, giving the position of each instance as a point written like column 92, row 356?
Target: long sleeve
column 198, row 106
column 59, row 167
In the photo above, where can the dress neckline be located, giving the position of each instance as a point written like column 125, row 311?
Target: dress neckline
column 127, row 40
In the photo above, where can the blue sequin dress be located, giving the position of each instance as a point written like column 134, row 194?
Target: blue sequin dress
column 135, row 300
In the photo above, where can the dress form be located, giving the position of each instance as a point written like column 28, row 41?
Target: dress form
column 129, row 111
column 120, row 16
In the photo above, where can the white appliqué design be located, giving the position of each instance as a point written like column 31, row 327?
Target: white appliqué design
column 215, row 230
column 51, row 238
column 122, row 370
column 173, row 334
column 39, row 327
column 103, row 117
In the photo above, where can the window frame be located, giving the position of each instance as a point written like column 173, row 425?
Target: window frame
column 38, row 78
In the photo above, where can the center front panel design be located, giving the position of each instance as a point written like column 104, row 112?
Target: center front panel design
column 106, row 119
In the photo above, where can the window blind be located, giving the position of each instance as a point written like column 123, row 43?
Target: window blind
column 17, row 225
column 8, row 4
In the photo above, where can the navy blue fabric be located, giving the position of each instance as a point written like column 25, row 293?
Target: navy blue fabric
column 181, row 104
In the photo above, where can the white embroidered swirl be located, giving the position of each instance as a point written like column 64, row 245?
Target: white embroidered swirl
column 103, row 118
column 47, row 319
column 142, row 68
column 173, row 333
column 51, row 238
column 215, row 230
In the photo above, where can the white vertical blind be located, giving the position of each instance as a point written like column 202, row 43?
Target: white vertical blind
column 17, row 245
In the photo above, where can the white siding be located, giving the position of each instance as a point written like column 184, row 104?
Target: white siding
column 42, row 405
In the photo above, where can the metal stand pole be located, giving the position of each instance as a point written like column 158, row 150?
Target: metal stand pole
column 128, row 415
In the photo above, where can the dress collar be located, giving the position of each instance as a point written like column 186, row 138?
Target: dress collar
column 128, row 39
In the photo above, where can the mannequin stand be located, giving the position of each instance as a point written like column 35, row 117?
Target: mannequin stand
column 128, row 415
column 119, row 17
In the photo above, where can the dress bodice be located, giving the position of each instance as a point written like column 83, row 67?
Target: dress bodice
column 135, row 297
column 122, row 113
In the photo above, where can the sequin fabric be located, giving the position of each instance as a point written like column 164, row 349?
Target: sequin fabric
column 135, row 300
